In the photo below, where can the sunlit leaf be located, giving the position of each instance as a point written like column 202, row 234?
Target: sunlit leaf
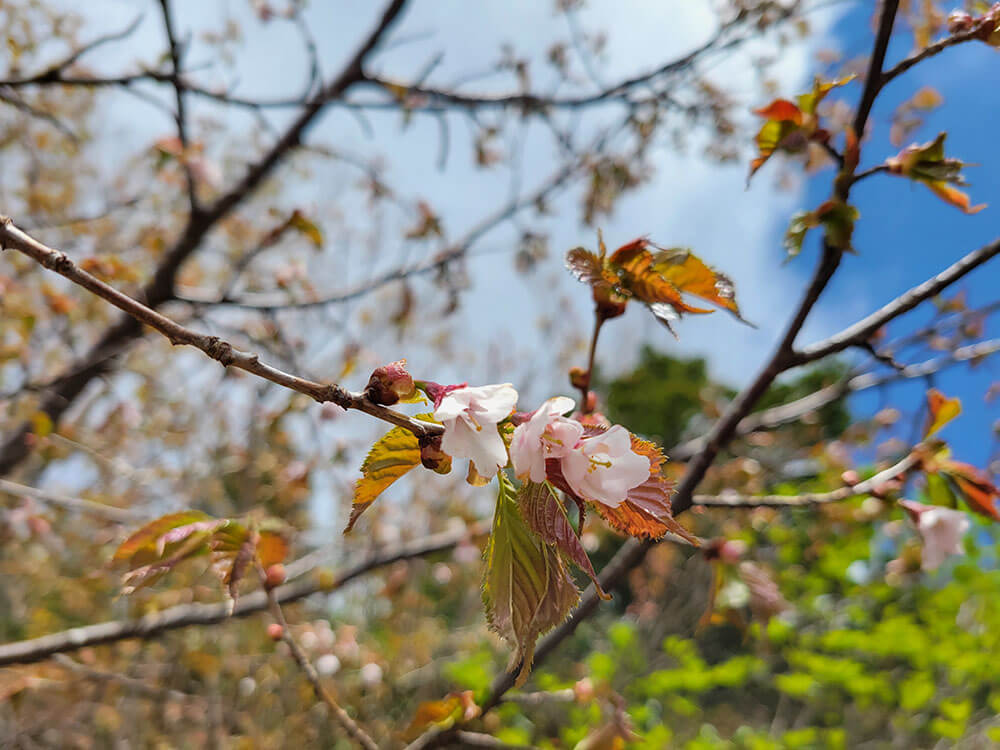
column 526, row 587
column 940, row 411
column 394, row 454
column 791, row 126
column 836, row 217
column 927, row 163
column 547, row 517
column 143, row 546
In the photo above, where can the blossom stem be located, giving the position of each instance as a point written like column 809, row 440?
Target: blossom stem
column 584, row 386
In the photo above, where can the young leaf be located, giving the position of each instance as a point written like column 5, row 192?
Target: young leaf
column 789, row 126
column 546, row 515
column 526, row 588
column 306, row 227
column 927, row 163
column 940, row 411
column 143, row 546
column 394, row 454
column 835, row 216
column 973, row 486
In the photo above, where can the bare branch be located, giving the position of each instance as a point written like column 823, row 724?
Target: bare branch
column 776, row 416
column 353, row 729
column 107, row 512
column 861, row 331
column 186, row 615
column 930, row 51
column 895, row 471
column 222, row 351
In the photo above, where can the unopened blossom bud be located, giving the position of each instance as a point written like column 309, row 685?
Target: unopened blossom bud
column 275, row 632
column 431, row 455
column 274, row 575
column 583, row 690
column 590, row 403
column 578, row 377
column 959, row 21
column 390, row 383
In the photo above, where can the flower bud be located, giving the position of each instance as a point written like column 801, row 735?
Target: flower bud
column 275, row 632
column 390, row 383
column 274, row 575
column 578, row 377
column 431, row 455
column 959, row 21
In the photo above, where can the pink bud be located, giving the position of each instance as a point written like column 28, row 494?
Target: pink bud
column 390, row 383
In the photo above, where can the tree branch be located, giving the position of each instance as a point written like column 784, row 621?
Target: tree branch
column 222, row 351
column 861, row 331
column 160, row 287
column 107, row 512
column 895, row 471
column 930, row 51
column 353, row 729
column 186, row 615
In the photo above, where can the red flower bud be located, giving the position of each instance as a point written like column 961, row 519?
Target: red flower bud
column 275, row 632
column 390, row 383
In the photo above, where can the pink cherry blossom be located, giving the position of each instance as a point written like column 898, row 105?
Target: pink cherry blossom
column 941, row 530
column 547, row 434
column 470, row 417
column 603, row 468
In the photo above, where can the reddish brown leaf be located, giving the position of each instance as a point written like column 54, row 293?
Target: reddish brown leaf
column 546, row 516
column 979, row 493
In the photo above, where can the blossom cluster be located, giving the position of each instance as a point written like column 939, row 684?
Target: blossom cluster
column 597, row 464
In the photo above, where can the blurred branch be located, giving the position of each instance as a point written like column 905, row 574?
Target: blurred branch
column 108, row 512
column 535, row 102
column 185, row 615
column 353, row 729
column 160, row 288
column 134, row 686
column 457, row 251
column 895, row 471
column 180, row 116
column 222, row 351
column 776, row 416
column 930, row 51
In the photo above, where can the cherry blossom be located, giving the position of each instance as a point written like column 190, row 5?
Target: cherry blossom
column 547, row 434
column 603, row 468
column 941, row 530
column 470, row 417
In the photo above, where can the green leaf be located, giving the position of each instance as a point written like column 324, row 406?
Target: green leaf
column 546, row 516
column 394, row 454
column 526, row 588
column 835, row 216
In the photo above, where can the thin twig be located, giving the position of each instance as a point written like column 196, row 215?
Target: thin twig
column 353, row 729
column 895, row 471
column 108, row 512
